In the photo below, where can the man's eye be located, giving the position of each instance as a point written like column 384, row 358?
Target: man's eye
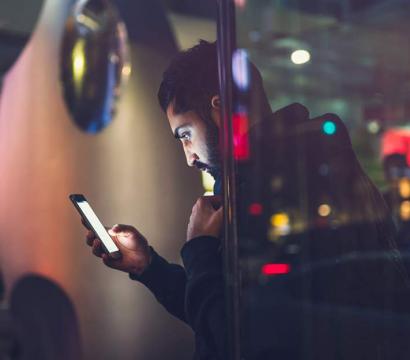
column 185, row 136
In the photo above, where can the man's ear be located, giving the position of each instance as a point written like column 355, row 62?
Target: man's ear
column 215, row 110
column 216, row 102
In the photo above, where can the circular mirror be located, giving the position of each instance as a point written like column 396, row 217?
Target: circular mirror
column 94, row 63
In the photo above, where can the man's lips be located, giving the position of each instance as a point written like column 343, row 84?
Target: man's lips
column 202, row 166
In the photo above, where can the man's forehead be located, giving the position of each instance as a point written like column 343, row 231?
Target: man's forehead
column 178, row 120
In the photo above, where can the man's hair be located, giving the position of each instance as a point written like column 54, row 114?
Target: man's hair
column 191, row 80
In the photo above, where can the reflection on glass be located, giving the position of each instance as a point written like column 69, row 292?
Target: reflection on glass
column 94, row 63
column 313, row 171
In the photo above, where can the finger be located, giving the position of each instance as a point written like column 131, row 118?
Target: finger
column 109, row 261
column 208, row 203
column 113, row 235
column 215, row 200
column 90, row 237
column 203, row 202
column 121, row 228
column 97, row 248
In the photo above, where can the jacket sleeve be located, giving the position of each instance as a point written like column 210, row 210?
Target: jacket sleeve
column 204, row 296
column 167, row 282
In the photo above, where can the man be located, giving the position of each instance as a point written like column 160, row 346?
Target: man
column 194, row 293
column 189, row 96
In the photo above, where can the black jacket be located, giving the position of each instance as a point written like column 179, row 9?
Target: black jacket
column 193, row 293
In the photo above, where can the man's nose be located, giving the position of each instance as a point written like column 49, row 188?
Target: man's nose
column 190, row 157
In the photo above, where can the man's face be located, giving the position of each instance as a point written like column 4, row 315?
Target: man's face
column 199, row 138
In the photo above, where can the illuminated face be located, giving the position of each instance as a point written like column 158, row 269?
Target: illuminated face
column 199, row 138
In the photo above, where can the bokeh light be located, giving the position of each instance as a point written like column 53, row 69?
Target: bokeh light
column 329, row 127
column 299, row 57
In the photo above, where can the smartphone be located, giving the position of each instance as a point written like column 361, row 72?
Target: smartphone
column 94, row 224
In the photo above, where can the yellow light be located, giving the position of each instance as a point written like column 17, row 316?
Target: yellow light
column 300, row 57
column 280, row 226
column 79, row 64
column 324, row 210
column 87, row 21
column 126, row 71
column 405, row 210
column 207, row 182
column 404, row 187
column 279, row 220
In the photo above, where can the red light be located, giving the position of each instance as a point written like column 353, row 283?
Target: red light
column 396, row 141
column 255, row 209
column 240, row 126
column 275, row 269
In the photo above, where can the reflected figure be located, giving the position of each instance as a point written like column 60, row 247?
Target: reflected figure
column 94, row 63
column 45, row 321
column 346, row 292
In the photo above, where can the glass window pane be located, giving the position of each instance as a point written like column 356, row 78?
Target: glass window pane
column 323, row 177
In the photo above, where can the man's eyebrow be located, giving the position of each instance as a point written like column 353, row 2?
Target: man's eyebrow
column 178, row 129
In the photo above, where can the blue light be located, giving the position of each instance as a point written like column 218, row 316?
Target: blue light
column 329, row 127
column 240, row 69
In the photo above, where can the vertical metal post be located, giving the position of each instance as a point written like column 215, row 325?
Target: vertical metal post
column 226, row 45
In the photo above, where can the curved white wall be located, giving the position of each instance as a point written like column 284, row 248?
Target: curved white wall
column 133, row 172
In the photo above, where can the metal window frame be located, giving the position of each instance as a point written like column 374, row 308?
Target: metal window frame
column 226, row 45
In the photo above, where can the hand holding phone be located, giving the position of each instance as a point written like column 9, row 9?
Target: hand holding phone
column 94, row 224
column 131, row 244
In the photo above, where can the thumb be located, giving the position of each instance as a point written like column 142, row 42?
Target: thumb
column 215, row 201
column 126, row 229
column 113, row 235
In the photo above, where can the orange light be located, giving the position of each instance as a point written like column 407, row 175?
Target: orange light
column 324, row 210
column 404, row 187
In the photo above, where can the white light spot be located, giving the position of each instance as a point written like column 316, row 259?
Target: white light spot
column 300, row 57
column 373, row 127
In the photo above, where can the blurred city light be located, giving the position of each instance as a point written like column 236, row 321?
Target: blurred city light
column 396, row 141
column 405, row 210
column 126, row 70
column 240, row 69
column 299, row 57
column 373, row 127
column 255, row 209
column 275, row 269
column 240, row 3
column 324, row 210
column 280, row 226
column 279, row 220
column 329, row 127
column 404, row 188
column 241, row 147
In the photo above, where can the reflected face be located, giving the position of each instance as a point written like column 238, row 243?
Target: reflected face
column 199, row 138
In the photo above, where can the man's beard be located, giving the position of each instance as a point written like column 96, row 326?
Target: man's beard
column 213, row 165
column 212, row 149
